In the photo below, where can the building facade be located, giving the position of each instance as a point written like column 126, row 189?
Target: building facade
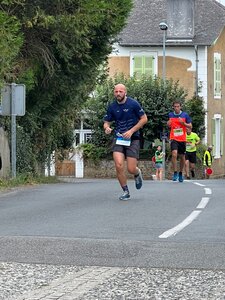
column 194, row 55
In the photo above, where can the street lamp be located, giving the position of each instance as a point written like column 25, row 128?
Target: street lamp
column 163, row 26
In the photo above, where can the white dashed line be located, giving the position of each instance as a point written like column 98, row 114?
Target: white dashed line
column 173, row 231
column 208, row 191
column 202, row 204
column 197, row 183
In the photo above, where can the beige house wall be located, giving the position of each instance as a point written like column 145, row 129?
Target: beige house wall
column 176, row 68
column 216, row 106
column 118, row 65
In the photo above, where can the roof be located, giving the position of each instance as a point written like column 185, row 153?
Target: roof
column 142, row 27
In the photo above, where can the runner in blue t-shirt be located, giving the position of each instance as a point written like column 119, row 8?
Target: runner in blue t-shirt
column 129, row 117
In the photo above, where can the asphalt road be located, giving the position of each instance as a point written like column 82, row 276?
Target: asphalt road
column 165, row 224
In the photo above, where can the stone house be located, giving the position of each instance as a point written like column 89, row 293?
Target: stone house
column 192, row 50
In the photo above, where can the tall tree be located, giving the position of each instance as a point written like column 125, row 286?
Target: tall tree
column 11, row 40
column 65, row 44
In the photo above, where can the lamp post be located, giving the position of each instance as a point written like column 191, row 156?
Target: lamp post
column 163, row 26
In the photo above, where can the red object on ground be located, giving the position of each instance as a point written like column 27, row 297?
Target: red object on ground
column 209, row 171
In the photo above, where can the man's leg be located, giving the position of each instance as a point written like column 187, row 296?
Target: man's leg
column 133, row 169
column 174, row 160
column 192, row 167
column 182, row 165
column 182, row 162
column 119, row 160
column 132, row 165
column 187, row 169
column 174, row 165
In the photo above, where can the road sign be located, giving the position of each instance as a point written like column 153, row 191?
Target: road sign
column 13, row 100
column 164, row 135
column 13, row 104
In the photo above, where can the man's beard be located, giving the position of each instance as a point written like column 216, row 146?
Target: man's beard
column 120, row 99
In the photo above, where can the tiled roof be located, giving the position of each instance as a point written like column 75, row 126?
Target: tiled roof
column 142, row 27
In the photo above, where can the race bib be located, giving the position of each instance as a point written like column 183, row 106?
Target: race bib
column 121, row 141
column 178, row 132
column 188, row 146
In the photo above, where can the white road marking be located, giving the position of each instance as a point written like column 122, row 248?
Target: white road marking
column 173, row 231
column 197, row 183
column 203, row 203
column 208, row 191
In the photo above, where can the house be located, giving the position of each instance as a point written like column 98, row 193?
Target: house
column 193, row 51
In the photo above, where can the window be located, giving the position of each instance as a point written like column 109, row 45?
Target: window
column 87, row 137
column 143, row 63
column 82, row 135
column 217, row 75
column 217, row 135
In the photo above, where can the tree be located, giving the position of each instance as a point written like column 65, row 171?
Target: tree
column 65, row 44
column 195, row 107
column 11, row 40
column 155, row 97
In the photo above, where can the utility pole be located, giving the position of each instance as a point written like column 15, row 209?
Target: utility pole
column 163, row 26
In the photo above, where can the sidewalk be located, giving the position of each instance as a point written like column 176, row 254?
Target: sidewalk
column 108, row 283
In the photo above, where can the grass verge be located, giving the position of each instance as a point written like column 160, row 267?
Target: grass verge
column 27, row 179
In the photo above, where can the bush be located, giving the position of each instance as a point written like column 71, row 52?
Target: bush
column 95, row 153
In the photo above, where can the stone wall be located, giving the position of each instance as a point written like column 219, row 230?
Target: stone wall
column 106, row 169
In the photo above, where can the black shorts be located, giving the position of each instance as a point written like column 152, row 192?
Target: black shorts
column 179, row 146
column 191, row 156
column 128, row 151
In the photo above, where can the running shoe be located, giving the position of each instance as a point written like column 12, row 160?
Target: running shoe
column 125, row 196
column 138, row 180
column 175, row 177
column 193, row 173
column 181, row 179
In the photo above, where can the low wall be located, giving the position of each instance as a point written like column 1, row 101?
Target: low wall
column 106, row 169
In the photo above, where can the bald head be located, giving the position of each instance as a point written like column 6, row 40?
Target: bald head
column 120, row 92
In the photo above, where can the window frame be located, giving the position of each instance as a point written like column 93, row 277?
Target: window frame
column 217, row 73
column 144, row 54
column 217, row 135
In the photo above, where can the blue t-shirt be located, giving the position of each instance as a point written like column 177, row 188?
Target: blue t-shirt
column 182, row 114
column 125, row 115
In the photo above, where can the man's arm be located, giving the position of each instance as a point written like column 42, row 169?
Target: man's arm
column 187, row 125
column 106, row 127
column 143, row 120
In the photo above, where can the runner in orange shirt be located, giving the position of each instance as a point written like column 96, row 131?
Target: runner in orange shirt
column 178, row 122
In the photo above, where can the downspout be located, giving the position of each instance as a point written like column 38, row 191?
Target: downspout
column 196, row 65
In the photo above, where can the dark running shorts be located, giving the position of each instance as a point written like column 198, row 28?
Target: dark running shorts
column 191, row 156
column 179, row 146
column 128, row 151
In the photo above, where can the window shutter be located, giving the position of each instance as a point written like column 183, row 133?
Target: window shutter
column 138, row 67
column 149, row 65
column 214, row 136
column 222, row 136
column 217, row 75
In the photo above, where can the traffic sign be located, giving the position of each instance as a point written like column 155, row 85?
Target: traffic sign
column 13, row 100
